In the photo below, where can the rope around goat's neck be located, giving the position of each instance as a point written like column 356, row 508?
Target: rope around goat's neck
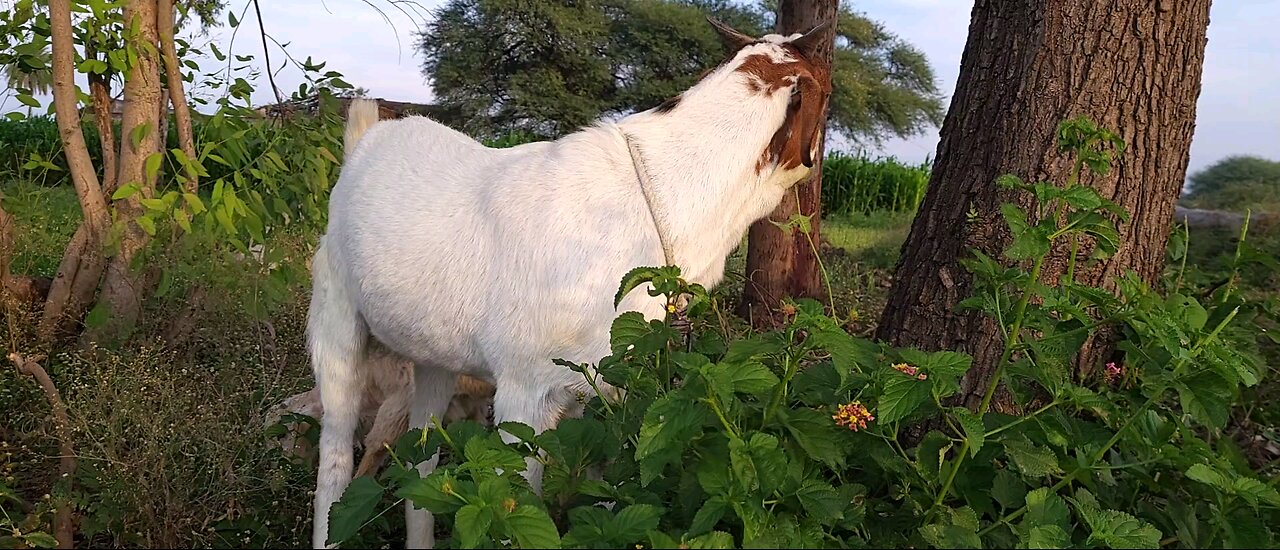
column 646, row 188
column 681, row 319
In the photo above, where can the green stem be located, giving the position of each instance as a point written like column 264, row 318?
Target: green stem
column 1019, row 316
column 1022, row 419
column 780, row 392
column 715, row 407
column 1186, row 246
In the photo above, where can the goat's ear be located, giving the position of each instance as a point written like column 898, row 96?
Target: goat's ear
column 733, row 39
column 808, row 44
column 807, row 122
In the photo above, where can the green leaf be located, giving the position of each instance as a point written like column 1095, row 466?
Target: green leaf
column 147, row 224
column 634, row 278
column 1207, row 397
column 471, row 523
column 1082, row 197
column 139, row 133
column 183, row 219
column 125, row 191
column 1246, row 530
column 631, row 524
column 626, row 329
column 231, row 18
column 821, row 501
column 1009, row 490
column 1031, row 459
column 816, row 433
column 1120, row 530
column 961, row 531
column 97, row 317
column 974, row 432
column 533, row 528
column 1046, row 508
column 358, row 504
column 749, row 377
column 1047, row 536
column 436, row 492
column 40, row 540
column 902, row 396
column 153, row 165
column 708, row 515
column 1209, row 476
column 714, row 539
column 669, row 425
column 28, row 100
column 193, row 200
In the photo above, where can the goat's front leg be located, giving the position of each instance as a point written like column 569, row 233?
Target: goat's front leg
column 433, row 388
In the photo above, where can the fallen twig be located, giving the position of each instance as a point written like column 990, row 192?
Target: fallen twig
column 63, row 521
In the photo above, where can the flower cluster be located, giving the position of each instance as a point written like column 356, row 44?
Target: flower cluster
column 853, row 415
column 1112, row 373
column 909, row 371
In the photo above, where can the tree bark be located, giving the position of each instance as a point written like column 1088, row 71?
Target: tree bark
column 122, row 288
column 100, row 92
column 177, row 92
column 1133, row 66
column 783, row 262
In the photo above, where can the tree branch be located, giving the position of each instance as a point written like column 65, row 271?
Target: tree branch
column 266, row 53
column 64, row 523
column 177, row 91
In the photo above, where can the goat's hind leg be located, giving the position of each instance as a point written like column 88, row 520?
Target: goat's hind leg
column 433, row 389
column 336, row 337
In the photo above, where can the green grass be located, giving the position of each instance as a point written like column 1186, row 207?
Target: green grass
column 46, row 218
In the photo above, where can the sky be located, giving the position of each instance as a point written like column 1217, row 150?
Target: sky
column 1238, row 110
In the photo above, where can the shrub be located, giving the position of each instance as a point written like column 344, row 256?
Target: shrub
column 796, row 437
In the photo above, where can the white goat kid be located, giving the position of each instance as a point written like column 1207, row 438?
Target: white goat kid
column 492, row 263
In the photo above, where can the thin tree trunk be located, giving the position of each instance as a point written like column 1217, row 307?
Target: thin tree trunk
column 783, row 263
column 177, row 91
column 1133, row 66
column 122, row 288
column 85, row 250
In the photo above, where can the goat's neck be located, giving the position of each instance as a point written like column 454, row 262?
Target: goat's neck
column 701, row 165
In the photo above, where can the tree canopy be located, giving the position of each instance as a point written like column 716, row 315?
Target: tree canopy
column 549, row 68
column 1235, row 183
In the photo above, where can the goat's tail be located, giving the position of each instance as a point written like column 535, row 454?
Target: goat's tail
column 361, row 114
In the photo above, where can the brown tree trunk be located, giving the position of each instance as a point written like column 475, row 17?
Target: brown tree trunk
column 100, row 92
column 177, row 91
column 1133, row 66
column 123, row 288
column 783, row 262
column 83, row 259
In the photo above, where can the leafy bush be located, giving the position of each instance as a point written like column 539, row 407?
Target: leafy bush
column 796, row 437
column 862, row 185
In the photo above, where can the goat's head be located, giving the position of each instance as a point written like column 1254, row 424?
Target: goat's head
column 791, row 65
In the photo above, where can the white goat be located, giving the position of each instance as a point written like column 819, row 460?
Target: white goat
column 492, row 263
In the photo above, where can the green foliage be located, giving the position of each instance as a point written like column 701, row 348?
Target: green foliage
column 793, row 437
column 1237, row 183
column 1232, row 171
column 552, row 67
column 861, row 185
